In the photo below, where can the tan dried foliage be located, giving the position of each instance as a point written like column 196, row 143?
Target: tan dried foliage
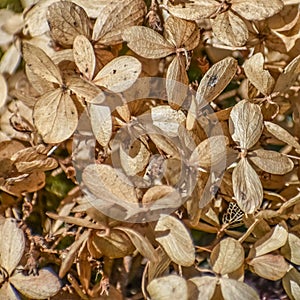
column 149, row 149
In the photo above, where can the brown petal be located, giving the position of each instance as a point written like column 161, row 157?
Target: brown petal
column 114, row 245
column 104, row 181
column 135, row 159
column 167, row 119
column 8, row 292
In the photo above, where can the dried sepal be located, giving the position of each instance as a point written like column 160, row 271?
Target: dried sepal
column 181, row 33
column 40, row 84
column 67, row 20
column 289, row 75
column 115, row 18
column 205, row 287
column 260, row 78
column 227, row 256
column 215, row 80
column 24, row 183
column 44, row 285
column 35, row 21
column 177, row 82
column 194, row 10
column 234, row 290
column 108, row 183
column 247, row 188
column 55, row 116
column 84, row 90
column 135, row 159
column 291, row 283
column 33, row 159
column 12, row 245
column 282, row 134
column 40, row 63
column 141, row 243
column 147, row 42
column 84, row 56
column 230, row 29
column 246, row 124
column 255, row 10
column 210, row 152
column 46, row 164
column 271, row 241
column 116, row 244
column 165, row 144
column 101, row 122
column 8, row 292
column 3, row 91
column 271, row 161
column 269, row 266
column 161, row 198
column 168, row 287
column 119, row 74
column 69, row 258
column 157, row 268
column 175, row 240
column 291, row 249
column 167, row 119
